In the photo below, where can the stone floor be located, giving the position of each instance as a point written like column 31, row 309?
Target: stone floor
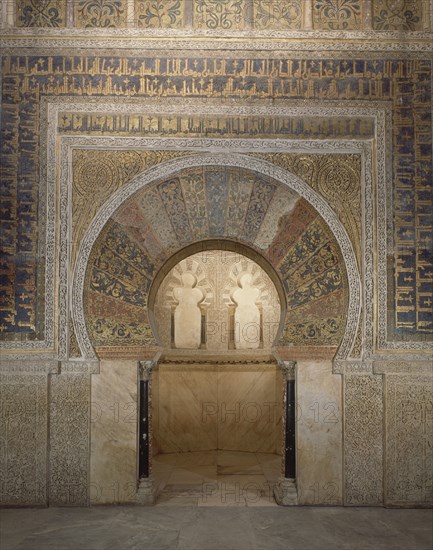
column 214, row 528
column 216, row 478
column 211, row 501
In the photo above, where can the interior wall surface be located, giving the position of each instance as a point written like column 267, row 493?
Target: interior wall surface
column 332, row 108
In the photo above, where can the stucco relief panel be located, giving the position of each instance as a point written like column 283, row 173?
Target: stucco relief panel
column 100, row 13
column 363, row 440
column 167, row 14
column 40, row 13
column 403, row 15
column 338, row 14
column 69, row 439
column 409, row 440
column 23, row 433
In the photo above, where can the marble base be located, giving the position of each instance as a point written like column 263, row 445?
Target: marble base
column 285, row 492
column 113, row 433
column 147, row 491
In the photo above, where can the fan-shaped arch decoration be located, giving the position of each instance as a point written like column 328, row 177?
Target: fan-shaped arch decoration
column 231, row 199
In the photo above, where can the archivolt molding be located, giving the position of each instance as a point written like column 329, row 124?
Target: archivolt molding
column 206, row 39
column 234, row 160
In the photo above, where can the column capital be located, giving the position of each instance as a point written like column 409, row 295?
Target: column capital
column 288, row 369
column 145, row 369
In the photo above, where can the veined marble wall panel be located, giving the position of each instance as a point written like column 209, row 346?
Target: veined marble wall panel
column 113, row 433
column 363, row 440
column 23, row 439
column 249, row 408
column 185, row 393
column 319, row 440
column 409, row 440
column 207, row 406
column 69, row 439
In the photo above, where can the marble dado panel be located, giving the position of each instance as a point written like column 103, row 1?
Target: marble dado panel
column 23, row 435
column 69, row 439
column 319, row 422
column 199, row 407
column 113, row 433
column 363, row 440
column 409, row 440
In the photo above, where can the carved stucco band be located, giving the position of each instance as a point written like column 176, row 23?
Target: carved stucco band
column 170, row 167
column 171, row 39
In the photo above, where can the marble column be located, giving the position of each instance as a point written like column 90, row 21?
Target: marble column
column 285, row 491
column 147, row 489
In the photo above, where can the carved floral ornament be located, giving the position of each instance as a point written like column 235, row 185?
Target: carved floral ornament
column 224, row 15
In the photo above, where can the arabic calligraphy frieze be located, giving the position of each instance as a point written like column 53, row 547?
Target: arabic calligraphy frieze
column 216, row 126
